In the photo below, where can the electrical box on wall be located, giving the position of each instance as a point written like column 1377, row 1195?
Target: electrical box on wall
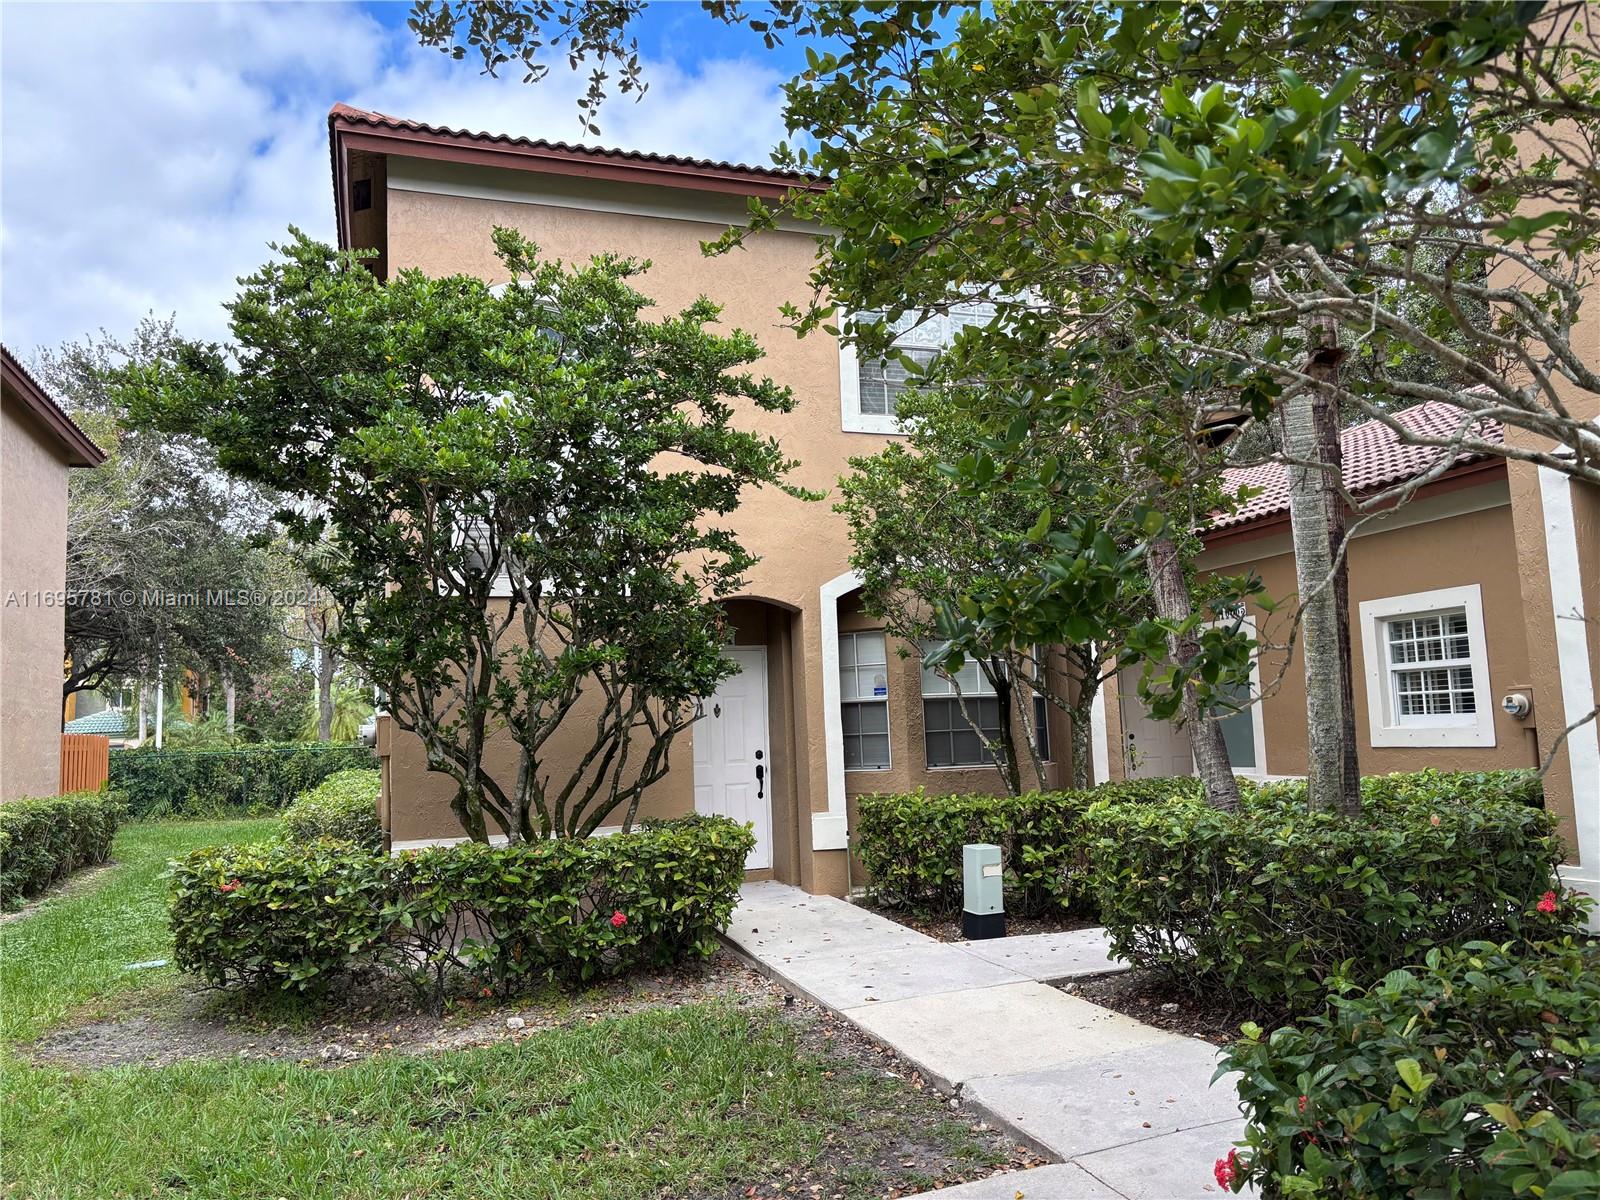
column 1517, row 704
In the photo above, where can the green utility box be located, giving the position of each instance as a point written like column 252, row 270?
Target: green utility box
column 983, row 913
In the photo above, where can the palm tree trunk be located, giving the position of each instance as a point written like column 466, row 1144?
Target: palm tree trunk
column 1310, row 422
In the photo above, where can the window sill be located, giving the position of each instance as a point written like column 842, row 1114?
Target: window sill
column 1424, row 736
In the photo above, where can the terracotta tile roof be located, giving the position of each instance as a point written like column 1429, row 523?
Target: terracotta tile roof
column 80, row 447
column 1374, row 457
column 347, row 115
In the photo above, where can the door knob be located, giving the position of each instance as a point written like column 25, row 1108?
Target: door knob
column 761, row 774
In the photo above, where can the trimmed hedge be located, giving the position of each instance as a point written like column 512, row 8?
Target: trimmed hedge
column 1524, row 786
column 208, row 783
column 45, row 840
column 342, row 808
column 1476, row 1073
column 911, row 843
column 1277, row 902
column 505, row 917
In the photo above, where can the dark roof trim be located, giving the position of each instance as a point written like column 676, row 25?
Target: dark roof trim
column 356, row 129
column 1468, row 474
column 81, row 450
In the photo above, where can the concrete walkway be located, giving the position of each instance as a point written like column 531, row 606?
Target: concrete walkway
column 1128, row 1110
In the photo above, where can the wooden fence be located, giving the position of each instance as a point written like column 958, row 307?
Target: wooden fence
column 85, row 762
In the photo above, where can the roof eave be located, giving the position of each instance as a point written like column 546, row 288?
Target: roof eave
column 347, row 132
column 80, row 448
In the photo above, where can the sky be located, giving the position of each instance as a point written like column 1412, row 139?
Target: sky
column 149, row 153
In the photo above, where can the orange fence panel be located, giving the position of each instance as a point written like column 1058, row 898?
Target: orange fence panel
column 85, row 761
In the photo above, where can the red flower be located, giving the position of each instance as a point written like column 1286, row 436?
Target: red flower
column 231, row 886
column 1547, row 903
column 1227, row 1169
column 619, row 919
column 1302, row 1104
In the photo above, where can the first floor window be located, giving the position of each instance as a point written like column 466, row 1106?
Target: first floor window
column 1427, row 669
column 1430, row 668
column 951, row 706
column 864, row 700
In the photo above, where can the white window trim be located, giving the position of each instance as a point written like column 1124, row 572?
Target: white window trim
column 851, row 418
column 1258, row 720
column 888, row 730
column 1382, row 728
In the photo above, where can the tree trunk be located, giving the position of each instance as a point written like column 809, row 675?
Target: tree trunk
column 1310, row 421
column 1011, row 763
column 230, row 696
column 144, row 701
column 1170, row 592
column 325, row 669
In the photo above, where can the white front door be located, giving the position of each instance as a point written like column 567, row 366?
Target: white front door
column 1151, row 749
column 732, row 761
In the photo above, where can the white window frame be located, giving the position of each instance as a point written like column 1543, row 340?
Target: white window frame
column 933, row 333
column 1383, row 726
column 1255, row 710
column 839, row 669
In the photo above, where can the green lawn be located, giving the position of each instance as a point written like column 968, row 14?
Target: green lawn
column 75, row 947
column 702, row 1100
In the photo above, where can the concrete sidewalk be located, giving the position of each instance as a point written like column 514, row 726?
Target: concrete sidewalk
column 1129, row 1110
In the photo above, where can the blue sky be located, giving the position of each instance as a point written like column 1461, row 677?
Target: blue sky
column 149, row 152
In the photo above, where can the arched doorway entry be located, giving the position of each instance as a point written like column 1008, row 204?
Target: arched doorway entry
column 745, row 761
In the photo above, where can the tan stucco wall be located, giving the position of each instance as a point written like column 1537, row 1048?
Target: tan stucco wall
column 802, row 544
column 1474, row 547
column 33, row 559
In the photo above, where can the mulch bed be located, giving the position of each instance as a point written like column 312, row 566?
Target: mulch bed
column 1150, row 997
column 948, row 929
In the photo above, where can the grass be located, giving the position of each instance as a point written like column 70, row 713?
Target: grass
column 683, row 1102
column 695, row 1101
column 75, row 947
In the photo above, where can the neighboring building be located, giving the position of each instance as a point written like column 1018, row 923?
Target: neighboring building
column 1475, row 630
column 114, row 724
column 828, row 701
column 38, row 445
column 1437, row 624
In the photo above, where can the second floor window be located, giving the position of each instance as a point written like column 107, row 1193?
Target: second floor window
column 870, row 388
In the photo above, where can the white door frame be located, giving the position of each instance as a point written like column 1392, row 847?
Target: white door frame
column 764, row 837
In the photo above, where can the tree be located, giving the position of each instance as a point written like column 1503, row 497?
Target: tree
column 518, row 497
column 153, row 535
column 921, row 539
column 1223, row 188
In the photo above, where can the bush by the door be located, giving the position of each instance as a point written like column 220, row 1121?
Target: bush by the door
column 1475, row 1073
column 44, row 840
column 1276, row 902
column 295, row 916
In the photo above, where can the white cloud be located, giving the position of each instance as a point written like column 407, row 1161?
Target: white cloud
column 150, row 152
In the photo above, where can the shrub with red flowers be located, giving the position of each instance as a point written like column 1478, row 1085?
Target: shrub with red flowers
column 1471, row 1074
column 1226, row 1170
column 458, row 917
